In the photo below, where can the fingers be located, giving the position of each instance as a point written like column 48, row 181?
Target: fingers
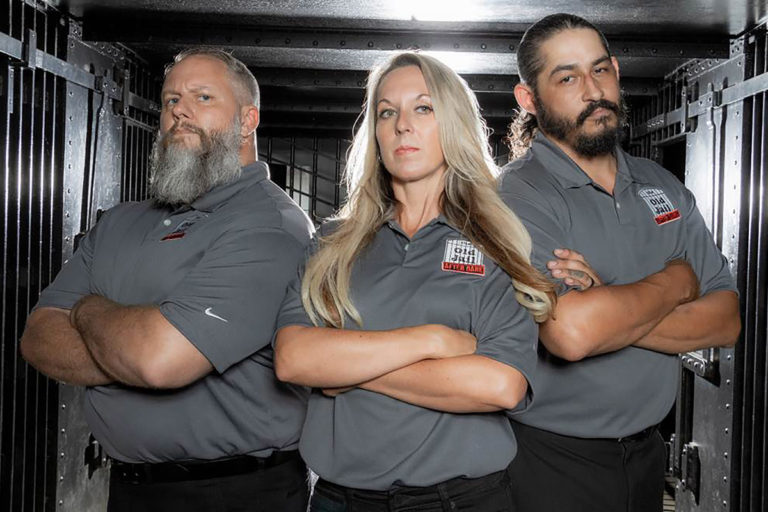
column 573, row 269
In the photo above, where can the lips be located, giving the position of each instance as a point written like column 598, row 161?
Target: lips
column 405, row 150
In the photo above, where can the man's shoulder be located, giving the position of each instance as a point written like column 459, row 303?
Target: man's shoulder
column 527, row 169
column 528, row 177
column 265, row 206
column 128, row 212
column 645, row 169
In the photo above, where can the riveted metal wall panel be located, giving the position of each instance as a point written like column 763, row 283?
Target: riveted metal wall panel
column 750, row 440
column 30, row 216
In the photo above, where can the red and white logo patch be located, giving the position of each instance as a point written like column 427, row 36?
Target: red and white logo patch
column 662, row 208
column 461, row 256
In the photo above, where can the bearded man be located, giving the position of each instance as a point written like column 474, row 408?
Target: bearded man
column 167, row 309
column 639, row 279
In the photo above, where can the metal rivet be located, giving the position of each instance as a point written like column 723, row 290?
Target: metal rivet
column 727, row 406
column 728, row 381
column 63, row 406
column 728, row 357
column 370, row 44
column 343, row 43
column 61, row 455
column 725, row 455
column 456, row 46
column 483, row 46
column 725, row 430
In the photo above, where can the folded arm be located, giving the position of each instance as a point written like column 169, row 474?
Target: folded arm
column 328, row 357
column 54, row 347
column 710, row 321
column 465, row 384
column 137, row 345
column 608, row 318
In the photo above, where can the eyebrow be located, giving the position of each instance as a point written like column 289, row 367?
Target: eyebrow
column 569, row 67
column 422, row 95
column 197, row 88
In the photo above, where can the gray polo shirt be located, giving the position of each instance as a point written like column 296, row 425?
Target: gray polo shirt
column 367, row 440
column 218, row 272
column 651, row 219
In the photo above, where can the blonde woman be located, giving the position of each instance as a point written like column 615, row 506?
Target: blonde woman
column 415, row 315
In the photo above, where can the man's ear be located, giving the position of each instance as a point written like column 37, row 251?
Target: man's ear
column 524, row 96
column 249, row 120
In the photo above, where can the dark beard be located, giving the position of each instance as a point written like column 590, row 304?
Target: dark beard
column 565, row 130
column 179, row 175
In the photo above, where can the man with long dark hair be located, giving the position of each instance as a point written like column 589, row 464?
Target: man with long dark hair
column 167, row 309
column 639, row 280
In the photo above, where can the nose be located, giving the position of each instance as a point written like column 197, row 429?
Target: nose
column 403, row 122
column 592, row 90
column 181, row 109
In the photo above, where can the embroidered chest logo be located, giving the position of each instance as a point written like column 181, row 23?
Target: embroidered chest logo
column 461, row 256
column 180, row 230
column 662, row 208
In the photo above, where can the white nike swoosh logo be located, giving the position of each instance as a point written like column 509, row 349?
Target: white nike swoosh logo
column 214, row 315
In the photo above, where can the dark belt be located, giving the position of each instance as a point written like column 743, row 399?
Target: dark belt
column 147, row 473
column 643, row 434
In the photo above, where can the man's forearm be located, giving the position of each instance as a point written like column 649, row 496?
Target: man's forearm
column 710, row 321
column 463, row 384
column 55, row 348
column 609, row 318
column 137, row 345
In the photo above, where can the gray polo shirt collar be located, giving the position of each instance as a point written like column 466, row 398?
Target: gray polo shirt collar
column 440, row 219
column 252, row 174
column 568, row 172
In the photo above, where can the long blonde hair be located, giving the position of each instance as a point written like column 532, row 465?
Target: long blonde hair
column 469, row 202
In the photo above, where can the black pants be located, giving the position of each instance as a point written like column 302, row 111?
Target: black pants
column 283, row 487
column 567, row 474
column 489, row 493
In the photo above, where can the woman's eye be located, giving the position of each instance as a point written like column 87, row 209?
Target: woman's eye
column 384, row 114
column 425, row 109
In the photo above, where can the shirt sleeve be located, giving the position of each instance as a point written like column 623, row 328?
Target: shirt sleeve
column 73, row 281
column 292, row 310
column 227, row 305
column 702, row 253
column 505, row 330
column 540, row 219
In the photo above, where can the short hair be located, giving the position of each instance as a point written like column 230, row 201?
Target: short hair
column 529, row 61
column 239, row 71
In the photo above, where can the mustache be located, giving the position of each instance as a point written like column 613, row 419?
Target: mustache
column 186, row 126
column 594, row 106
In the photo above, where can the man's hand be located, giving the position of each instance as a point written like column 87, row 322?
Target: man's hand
column 573, row 269
column 685, row 279
column 54, row 347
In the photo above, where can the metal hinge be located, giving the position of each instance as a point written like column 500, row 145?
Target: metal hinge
column 690, row 470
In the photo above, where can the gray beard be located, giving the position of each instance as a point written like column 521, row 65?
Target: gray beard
column 180, row 175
